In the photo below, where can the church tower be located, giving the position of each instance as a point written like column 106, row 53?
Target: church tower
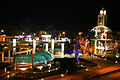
column 102, row 33
column 102, row 18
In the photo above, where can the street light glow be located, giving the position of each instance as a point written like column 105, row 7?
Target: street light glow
column 48, row 70
column 34, row 34
column 116, row 62
column 8, row 76
column 2, row 30
column 56, row 68
column 117, row 56
column 23, row 32
column 42, row 79
column 62, row 75
column 86, row 69
column 63, row 32
column 80, row 33
column 105, row 59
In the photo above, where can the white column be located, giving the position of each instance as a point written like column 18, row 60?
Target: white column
column 14, row 44
column 34, row 46
column 52, row 46
column 95, row 33
column 46, row 46
column 62, row 46
column 95, row 45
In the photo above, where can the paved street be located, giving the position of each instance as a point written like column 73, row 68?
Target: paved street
column 112, row 76
column 104, row 67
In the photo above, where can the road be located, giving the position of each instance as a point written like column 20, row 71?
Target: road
column 99, row 72
column 112, row 76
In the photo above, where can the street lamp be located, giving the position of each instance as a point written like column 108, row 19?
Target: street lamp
column 34, row 34
column 23, row 32
column 63, row 32
column 2, row 30
column 80, row 33
column 32, row 56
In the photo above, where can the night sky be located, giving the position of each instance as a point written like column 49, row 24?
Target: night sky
column 81, row 17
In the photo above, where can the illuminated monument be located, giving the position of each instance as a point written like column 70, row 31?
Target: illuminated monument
column 103, row 36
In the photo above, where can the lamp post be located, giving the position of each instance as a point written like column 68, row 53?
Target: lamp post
column 23, row 33
column 34, row 34
column 2, row 31
column 80, row 33
column 63, row 34
column 32, row 60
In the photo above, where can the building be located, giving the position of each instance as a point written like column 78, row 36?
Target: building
column 102, row 35
column 6, row 38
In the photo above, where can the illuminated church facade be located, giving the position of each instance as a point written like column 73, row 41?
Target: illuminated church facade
column 102, row 35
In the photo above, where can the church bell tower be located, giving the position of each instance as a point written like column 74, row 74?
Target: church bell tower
column 102, row 18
